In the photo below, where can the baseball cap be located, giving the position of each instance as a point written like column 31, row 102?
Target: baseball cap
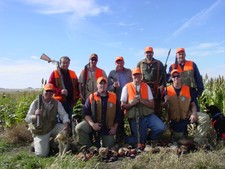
column 180, row 50
column 102, row 78
column 148, row 49
column 174, row 71
column 136, row 71
column 49, row 86
column 119, row 58
column 93, row 55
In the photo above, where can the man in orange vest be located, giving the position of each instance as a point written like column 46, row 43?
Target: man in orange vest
column 69, row 95
column 88, row 77
column 182, row 110
column 101, row 117
column 153, row 74
column 138, row 103
column 190, row 74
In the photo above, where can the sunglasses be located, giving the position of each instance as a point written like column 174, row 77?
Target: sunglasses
column 176, row 76
column 94, row 59
column 49, row 91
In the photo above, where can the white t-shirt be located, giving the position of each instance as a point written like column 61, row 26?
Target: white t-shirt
column 124, row 94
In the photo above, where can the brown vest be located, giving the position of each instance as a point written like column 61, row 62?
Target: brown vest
column 47, row 118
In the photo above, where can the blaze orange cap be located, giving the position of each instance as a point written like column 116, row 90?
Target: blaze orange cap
column 174, row 71
column 180, row 50
column 149, row 49
column 136, row 71
column 49, row 86
column 119, row 58
column 102, row 78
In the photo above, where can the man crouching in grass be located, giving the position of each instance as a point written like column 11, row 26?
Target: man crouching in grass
column 43, row 121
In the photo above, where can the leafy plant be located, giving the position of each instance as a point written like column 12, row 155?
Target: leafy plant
column 214, row 93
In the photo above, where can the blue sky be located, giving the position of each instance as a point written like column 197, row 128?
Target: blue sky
column 110, row 28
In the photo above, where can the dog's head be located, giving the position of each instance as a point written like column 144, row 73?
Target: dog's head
column 212, row 110
column 61, row 136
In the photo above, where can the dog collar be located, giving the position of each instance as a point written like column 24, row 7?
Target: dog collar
column 217, row 114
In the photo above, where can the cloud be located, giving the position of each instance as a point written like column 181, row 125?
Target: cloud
column 81, row 8
column 197, row 19
column 207, row 49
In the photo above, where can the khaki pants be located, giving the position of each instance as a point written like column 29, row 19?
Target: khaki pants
column 200, row 135
column 201, row 132
column 83, row 129
column 41, row 142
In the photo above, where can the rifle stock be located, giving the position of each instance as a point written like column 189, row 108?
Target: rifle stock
column 48, row 59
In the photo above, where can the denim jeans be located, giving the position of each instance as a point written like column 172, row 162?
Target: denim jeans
column 152, row 122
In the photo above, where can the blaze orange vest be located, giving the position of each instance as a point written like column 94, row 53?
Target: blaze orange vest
column 74, row 81
column 142, row 109
column 110, row 111
column 88, row 86
column 179, row 106
column 187, row 74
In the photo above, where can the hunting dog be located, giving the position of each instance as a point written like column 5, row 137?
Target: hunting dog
column 218, row 121
column 63, row 142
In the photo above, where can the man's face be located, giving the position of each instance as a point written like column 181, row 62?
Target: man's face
column 48, row 94
column 102, row 86
column 180, row 57
column 93, row 61
column 176, row 78
column 119, row 65
column 64, row 64
column 136, row 78
column 149, row 55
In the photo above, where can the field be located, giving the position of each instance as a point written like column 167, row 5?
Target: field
column 15, row 139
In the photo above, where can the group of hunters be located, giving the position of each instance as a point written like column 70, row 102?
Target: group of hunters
column 139, row 95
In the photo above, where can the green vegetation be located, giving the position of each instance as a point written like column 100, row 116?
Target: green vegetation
column 214, row 93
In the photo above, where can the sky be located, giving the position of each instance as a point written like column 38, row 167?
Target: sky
column 109, row 28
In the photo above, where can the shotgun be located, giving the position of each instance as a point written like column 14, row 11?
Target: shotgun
column 137, row 117
column 165, row 67
column 85, row 81
column 48, row 59
column 39, row 107
column 158, row 95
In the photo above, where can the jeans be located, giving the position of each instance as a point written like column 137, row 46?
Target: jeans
column 152, row 122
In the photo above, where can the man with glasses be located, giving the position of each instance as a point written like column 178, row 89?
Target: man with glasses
column 42, row 121
column 190, row 74
column 100, row 117
column 182, row 110
column 117, row 79
column 69, row 95
column 88, row 77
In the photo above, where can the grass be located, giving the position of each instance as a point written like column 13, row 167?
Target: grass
column 14, row 153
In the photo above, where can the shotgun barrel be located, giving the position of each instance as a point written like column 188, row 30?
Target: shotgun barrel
column 39, row 107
